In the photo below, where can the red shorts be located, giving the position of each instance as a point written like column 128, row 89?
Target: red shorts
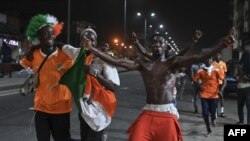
column 155, row 126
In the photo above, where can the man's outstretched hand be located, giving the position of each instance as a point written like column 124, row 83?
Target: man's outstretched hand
column 86, row 43
column 134, row 37
column 198, row 34
column 231, row 31
column 229, row 40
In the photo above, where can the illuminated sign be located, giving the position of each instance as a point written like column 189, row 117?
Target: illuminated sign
column 11, row 42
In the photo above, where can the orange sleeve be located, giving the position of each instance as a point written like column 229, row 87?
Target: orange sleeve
column 24, row 62
column 220, row 75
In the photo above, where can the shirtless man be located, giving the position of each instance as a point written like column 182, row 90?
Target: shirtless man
column 170, row 52
column 159, row 74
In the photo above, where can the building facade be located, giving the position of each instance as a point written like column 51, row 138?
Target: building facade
column 10, row 35
column 241, row 21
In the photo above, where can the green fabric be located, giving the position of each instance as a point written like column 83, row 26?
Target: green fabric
column 75, row 78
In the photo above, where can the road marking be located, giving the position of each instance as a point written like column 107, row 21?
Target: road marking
column 9, row 92
column 123, row 88
column 31, row 108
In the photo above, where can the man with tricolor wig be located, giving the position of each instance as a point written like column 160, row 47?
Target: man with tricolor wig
column 52, row 101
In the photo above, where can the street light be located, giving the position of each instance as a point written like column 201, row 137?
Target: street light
column 161, row 26
column 124, row 20
column 145, row 24
column 116, row 41
column 160, row 29
column 68, row 22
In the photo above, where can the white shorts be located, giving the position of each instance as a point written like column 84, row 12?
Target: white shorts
column 169, row 108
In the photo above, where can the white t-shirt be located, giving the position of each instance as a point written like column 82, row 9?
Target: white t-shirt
column 110, row 72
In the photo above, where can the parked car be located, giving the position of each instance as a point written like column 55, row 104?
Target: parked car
column 231, row 80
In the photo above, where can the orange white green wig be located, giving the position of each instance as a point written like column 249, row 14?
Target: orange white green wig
column 39, row 21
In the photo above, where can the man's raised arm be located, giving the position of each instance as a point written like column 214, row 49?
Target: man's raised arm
column 191, row 43
column 128, row 64
column 140, row 48
column 185, row 61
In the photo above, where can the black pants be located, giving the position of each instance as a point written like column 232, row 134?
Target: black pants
column 221, row 95
column 181, row 86
column 56, row 124
column 196, row 94
column 209, row 107
column 87, row 134
column 243, row 98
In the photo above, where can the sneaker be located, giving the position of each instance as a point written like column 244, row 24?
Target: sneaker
column 192, row 99
column 208, row 134
column 214, row 123
column 216, row 113
column 222, row 115
column 104, row 136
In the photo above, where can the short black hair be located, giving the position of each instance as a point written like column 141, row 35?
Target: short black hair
column 157, row 34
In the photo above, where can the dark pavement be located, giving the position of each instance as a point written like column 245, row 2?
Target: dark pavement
column 16, row 118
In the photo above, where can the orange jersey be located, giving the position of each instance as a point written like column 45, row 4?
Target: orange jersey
column 50, row 96
column 222, row 67
column 210, row 83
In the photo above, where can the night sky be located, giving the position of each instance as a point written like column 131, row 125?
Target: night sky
column 180, row 17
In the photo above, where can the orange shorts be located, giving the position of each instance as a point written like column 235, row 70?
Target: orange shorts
column 155, row 126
